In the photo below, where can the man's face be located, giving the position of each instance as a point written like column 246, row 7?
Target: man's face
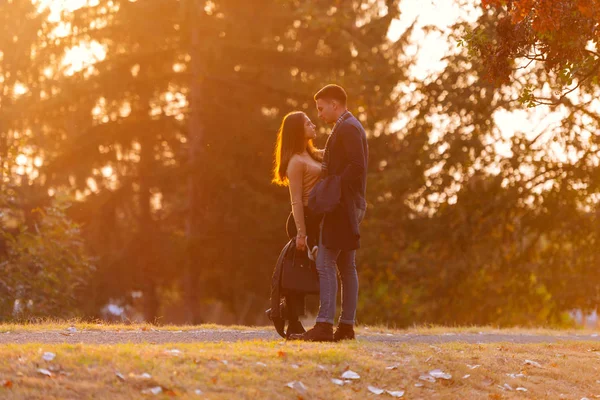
column 328, row 110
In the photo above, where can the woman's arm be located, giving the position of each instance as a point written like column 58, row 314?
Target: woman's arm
column 295, row 173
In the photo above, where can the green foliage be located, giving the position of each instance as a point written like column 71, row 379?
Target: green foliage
column 45, row 269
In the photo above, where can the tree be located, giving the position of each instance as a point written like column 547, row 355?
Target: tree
column 560, row 35
column 463, row 230
column 130, row 113
column 45, row 269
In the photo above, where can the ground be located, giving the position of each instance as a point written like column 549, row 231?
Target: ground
column 73, row 361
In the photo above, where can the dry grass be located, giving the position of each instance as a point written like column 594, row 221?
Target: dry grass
column 59, row 325
column 230, row 370
column 438, row 330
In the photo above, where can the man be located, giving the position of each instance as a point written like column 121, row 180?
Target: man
column 346, row 155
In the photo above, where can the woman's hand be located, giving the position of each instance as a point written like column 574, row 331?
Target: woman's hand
column 300, row 243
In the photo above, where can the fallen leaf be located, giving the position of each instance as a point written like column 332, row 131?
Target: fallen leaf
column 44, row 371
column 395, row 366
column 507, row 387
column 72, row 329
column 419, row 384
column 7, row 384
column 521, row 389
column 438, row 373
column 225, row 362
column 473, row 366
column 397, row 393
column 295, row 366
column 48, row 356
column 145, row 375
column 350, row 375
column 487, row 381
column 260, row 364
column 322, row 368
column 198, row 391
column 375, row 390
column 173, row 352
column 533, row 363
column 515, row 376
column 338, row 382
column 153, row 390
column 466, row 376
column 120, row 376
column 427, row 378
column 297, row 385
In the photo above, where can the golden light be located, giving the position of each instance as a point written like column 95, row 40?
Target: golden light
column 107, row 171
column 79, row 57
column 22, row 159
column 19, row 89
column 83, row 56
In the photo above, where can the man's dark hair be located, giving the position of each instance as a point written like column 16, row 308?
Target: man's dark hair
column 332, row 92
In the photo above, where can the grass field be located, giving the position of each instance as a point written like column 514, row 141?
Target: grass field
column 58, row 325
column 264, row 369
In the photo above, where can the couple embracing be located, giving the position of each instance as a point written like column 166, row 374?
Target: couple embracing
column 335, row 181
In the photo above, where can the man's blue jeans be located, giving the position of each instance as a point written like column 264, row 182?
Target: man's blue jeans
column 327, row 261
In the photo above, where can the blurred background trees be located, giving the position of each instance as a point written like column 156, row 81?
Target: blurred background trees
column 151, row 125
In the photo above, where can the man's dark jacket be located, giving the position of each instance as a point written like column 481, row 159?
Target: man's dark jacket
column 348, row 156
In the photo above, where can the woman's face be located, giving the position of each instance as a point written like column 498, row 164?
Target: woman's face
column 309, row 129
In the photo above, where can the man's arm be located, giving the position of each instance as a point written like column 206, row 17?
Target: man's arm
column 352, row 143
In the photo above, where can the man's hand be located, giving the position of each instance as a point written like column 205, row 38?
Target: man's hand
column 300, row 243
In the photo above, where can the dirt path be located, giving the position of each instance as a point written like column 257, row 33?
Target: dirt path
column 230, row 335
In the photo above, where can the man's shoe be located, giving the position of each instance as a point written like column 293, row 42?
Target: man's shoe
column 294, row 328
column 321, row 332
column 344, row 332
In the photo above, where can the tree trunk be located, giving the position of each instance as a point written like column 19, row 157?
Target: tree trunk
column 146, row 246
column 192, row 268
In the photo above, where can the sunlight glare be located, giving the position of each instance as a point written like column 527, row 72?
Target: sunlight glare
column 107, row 171
column 19, row 89
column 57, row 7
column 21, row 159
column 83, row 56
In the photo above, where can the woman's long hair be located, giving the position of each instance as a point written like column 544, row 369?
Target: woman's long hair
column 290, row 141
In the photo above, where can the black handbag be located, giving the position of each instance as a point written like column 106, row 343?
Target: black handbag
column 298, row 272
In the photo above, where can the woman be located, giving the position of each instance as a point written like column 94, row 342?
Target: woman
column 298, row 165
